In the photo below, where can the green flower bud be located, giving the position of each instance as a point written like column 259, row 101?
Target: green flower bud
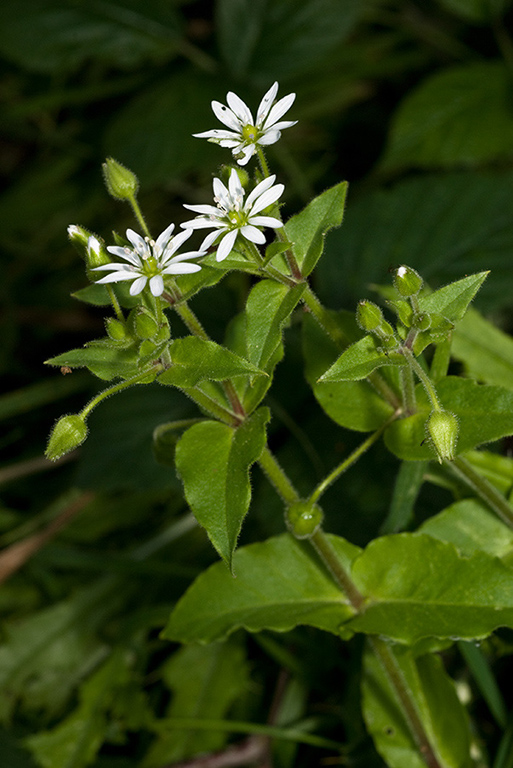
column 422, row 321
column 116, row 330
column 303, row 519
column 78, row 235
column 368, row 315
column 68, row 433
column 442, row 428
column 146, row 327
column 96, row 255
column 407, row 281
column 121, row 183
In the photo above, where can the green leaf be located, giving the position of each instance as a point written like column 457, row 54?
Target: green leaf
column 208, row 276
column 485, row 350
column 307, row 230
column 213, row 460
column 456, row 117
column 196, row 360
column 103, row 358
column 417, row 587
column 351, row 404
column 358, row 361
column 485, row 414
column 478, row 11
column 452, row 300
column 94, row 294
column 261, row 597
column 406, row 490
column 472, row 528
column 205, row 681
column 268, row 307
column 442, row 715
column 58, row 37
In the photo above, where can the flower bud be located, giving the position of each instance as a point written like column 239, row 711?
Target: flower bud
column 96, row 255
column 368, row 315
column 68, row 433
column 407, row 281
column 78, row 235
column 442, row 428
column 303, row 519
column 121, row 183
column 146, row 327
column 422, row 321
column 116, row 330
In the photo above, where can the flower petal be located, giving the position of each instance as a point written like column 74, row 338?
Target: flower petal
column 217, row 134
column 244, row 155
column 226, row 116
column 125, row 253
column 175, row 243
column 267, row 198
column 226, row 245
column 116, row 277
column 185, row 256
column 164, row 237
column 207, row 242
column 253, row 234
column 278, row 110
column 265, row 221
column 266, row 103
column 206, row 210
column 201, row 222
column 221, row 194
column 139, row 243
column 269, row 137
column 181, row 269
column 156, row 285
column 138, row 285
column 239, row 108
column 236, row 189
column 260, row 188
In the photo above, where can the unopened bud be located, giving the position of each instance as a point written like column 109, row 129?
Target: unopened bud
column 368, row 316
column 442, row 428
column 121, row 183
column 68, row 433
column 146, row 327
column 422, row 321
column 303, row 519
column 116, row 330
column 96, row 255
column 407, row 281
column 78, row 235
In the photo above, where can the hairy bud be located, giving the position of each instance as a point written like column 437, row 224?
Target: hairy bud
column 442, row 427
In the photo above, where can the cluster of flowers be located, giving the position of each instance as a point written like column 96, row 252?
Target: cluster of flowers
column 148, row 261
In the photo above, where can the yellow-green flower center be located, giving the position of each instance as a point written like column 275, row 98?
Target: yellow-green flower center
column 150, row 266
column 250, row 133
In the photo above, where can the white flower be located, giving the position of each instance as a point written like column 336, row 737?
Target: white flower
column 149, row 260
column 232, row 216
column 245, row 132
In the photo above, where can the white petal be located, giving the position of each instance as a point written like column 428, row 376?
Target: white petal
column 206, row 210
column 235, row 188
column 269, row 137
column 125, row 253
column 207, row 242
column 138, row 285
column 265, row 104
column 116, row 277
column 217, row 134
column 253, row 234
column 231, row 143
column 175, row 243
column 265, row 221
column 268, row 198
column 226, row 116
column 202, row 223
column 93, row 244
column 259, row 190
column 278, row 110
column 139, row 243
column 221, row 193
column 115, row 267
column 239, row 108
column 185, row 256
column 226, row 245
column 247, row 152
column 283, row 124
column 156, row 285
column 163, row 238
column 181, row 269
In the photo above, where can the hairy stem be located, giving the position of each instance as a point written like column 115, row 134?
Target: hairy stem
column 464, row 470
column 326, row 551
column 277, row 477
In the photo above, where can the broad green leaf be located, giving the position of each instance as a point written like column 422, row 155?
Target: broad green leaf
column 419, row 221
column 307, row 230
column 261, row 597
column 485, row 414
column 456, row 117
column 472, row 528
column 416, row 586
column 205, row 681
column 452, row 300
column 213, row 460
column 45, row 655
column 58, row 37
column 194, row 360
column 268, row 308
column 351, row 404
column 358, row 361
column 495, row 467
column 442, row 715
column 103, row 358
column 485, row 350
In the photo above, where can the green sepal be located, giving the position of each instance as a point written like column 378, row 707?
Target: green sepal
column 215, row 605
column 485, row 414
column 359, row 360
column 195, row 360
column 307, row 229
column 68, row 433
column 104, row 358
column 213, row 461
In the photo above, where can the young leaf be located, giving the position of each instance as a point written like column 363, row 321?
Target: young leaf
column 261, row 597
column 442, row 715
column 452, row 300
column 205, row 681
column 417, row 587
column 485, row 350
column 213, row 460
column 102, row 358
column 485, row 414
column 358, row 361
column 307, row 230
column 196, row 360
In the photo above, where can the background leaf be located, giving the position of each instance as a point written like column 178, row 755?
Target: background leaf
column 485, row 350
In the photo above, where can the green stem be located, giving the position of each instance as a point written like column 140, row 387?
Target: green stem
column 408, row 387
column 139, row 378
column 396, row 678
column 190, row 320
column 423, row 377
column 139, row 216
column 115, row 303
column 277, row 477
column 263, row 162
column 232, row 395
column 482, row 488
column 348, row 462
column 331, row 560
column 325, row 318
